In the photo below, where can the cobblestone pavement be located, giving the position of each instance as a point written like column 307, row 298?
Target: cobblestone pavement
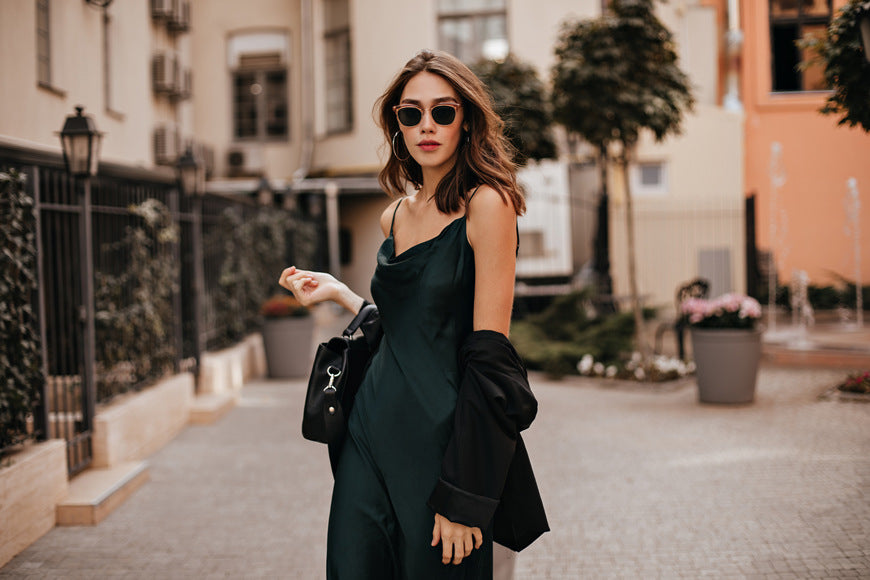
column 639, row 482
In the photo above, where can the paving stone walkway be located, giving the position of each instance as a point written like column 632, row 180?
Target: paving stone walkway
column 639, row 483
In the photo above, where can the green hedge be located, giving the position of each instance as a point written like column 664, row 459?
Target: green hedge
column 21, row 376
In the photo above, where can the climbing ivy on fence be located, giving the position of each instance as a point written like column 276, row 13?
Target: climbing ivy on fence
column 134, row 313
column 21, row 376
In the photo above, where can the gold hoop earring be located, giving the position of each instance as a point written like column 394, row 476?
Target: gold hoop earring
column 396, row 148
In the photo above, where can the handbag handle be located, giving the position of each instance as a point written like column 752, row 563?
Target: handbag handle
column 359, row 319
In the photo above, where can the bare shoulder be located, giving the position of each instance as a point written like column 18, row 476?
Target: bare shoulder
column 491, row 215
column 387, row 216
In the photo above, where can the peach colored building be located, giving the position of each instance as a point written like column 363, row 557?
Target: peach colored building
column 816, row 156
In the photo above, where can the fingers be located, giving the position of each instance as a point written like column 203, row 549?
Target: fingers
column 468, row 544
column 446, row 551
column 478, row 537
column 436, row 532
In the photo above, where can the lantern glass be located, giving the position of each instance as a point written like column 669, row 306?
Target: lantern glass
column 80, row 141
column 191, row 174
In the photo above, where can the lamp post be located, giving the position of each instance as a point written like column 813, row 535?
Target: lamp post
column 191, row 179
column 80, row 142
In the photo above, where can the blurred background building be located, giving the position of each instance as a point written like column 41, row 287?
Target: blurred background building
column 276, row 96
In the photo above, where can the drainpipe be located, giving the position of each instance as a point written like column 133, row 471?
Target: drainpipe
column 331, row 192
column 307, row 92
column 733, row 45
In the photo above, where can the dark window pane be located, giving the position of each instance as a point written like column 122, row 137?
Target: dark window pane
column 276, row 104
column 785, row 58
column 245, row 92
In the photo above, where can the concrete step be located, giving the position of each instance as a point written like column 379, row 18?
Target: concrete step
column 95, row 493
column 209, row 408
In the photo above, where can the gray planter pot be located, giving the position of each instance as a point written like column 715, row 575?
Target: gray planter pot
column 289, row 346
column 727, row 364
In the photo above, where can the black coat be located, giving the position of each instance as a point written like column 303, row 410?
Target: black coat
column 486, row 475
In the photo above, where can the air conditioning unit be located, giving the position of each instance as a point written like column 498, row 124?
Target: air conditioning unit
column 161, row 9
column 244, row 161
column 179, row 21
column 164, row 73
column 184, row 90
column 165, row 145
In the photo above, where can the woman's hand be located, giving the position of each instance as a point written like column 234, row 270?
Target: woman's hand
column 312, row 288
column 457, row 541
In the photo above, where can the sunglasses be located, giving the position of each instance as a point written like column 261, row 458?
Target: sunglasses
column 411, row 115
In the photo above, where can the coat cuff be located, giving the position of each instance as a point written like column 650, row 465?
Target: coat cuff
column 462, row 507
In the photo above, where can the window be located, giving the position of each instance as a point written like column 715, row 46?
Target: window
column 790, row 21
column 473, row 29
column 336, row 40
column 43, row 43
column 260, row 102
column 649, row 178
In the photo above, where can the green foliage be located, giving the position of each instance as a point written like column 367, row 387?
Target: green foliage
column 846, row 68
column 521, row 100
column 556, row 339
column 254, row 253
column 618, row 74
column 134, row 310
column 21, row 374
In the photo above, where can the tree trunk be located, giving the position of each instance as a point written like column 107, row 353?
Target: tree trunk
column 640, row 331
column 603, row 281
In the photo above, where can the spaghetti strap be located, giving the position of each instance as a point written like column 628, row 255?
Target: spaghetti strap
column 392, row 223
column 470, row 197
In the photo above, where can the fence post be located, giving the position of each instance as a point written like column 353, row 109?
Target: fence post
column 176, row 296
column 86, row 313
column 40, row 415
column 198, row 282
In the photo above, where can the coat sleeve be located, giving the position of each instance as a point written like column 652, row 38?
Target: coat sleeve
column 494, row 404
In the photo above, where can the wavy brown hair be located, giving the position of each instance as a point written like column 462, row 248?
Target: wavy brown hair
column 484, row 159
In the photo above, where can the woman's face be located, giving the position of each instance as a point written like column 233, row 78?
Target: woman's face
column 432, row 144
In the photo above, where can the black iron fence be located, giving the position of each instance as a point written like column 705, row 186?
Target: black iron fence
column 133, row 243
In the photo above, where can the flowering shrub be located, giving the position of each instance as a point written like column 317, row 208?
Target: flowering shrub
column 660, row 368
column 857, row 383
column 726, row 311
column 282, row 306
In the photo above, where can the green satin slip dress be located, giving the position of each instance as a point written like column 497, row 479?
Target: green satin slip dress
column 380, row 527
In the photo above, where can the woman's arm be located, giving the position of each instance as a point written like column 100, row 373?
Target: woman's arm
column 491, row 226
column 491, row 229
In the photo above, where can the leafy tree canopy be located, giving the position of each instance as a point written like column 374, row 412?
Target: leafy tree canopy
column 846, row 68
column 618, row 74
column 521, row 100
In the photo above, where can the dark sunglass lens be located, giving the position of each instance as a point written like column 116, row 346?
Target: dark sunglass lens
column 443, row 115
column 409, row 116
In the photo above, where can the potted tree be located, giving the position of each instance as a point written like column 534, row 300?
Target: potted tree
column 726, row 342
column 288, row 335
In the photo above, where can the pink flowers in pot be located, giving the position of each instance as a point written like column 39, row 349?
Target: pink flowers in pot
column 726, row 311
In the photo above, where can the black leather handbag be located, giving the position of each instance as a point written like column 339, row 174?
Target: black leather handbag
column 338, row 370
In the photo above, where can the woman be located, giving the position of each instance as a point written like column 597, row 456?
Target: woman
column 445, row 270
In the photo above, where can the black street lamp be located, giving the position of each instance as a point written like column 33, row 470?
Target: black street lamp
column 80, row 141
column 191, row 173
column 191, row 179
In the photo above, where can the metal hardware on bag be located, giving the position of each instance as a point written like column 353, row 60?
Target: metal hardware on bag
column 333, row 372
column 332, row 410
